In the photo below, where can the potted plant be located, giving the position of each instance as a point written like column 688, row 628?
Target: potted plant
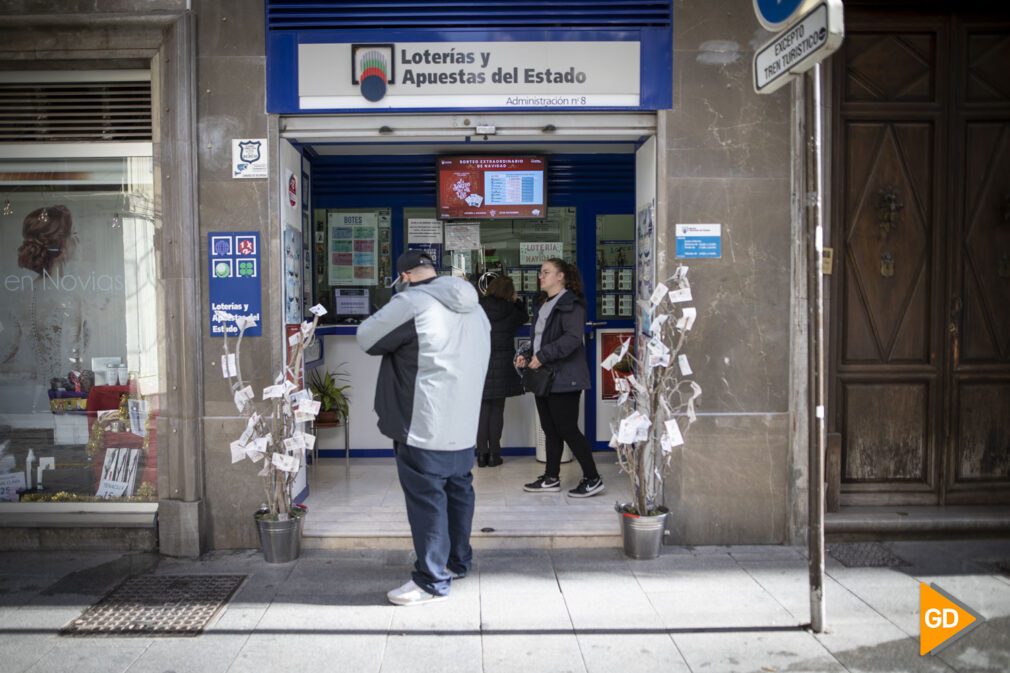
column 332, row 397
column 656, row 407
column 274, row 437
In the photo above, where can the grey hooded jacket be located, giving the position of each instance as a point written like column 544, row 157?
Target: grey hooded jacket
column 435, row 341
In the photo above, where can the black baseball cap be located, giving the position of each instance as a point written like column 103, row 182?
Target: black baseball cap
column 413, row 259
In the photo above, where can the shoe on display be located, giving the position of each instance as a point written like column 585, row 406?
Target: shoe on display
column 587, row 488
column 411, row 594
column 543, row 484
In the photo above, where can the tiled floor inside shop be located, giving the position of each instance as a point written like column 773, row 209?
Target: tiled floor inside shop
column 362, row 499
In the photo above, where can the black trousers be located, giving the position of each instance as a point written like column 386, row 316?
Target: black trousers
column 559, row 417
column 490, row 426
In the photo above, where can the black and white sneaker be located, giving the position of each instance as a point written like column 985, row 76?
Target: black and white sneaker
column 543, row 484
column 587, row 488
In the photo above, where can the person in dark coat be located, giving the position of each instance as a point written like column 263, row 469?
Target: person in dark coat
column 506, row 312
column 559, row 345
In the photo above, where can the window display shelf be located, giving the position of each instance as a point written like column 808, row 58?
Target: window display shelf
column 79, row 514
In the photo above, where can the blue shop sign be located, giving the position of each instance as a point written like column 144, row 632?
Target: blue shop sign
column 333, row 71
column 699, row 241
column 233, row 267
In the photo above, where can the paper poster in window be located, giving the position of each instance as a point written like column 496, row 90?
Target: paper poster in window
column 292, row 275
column 353, row 249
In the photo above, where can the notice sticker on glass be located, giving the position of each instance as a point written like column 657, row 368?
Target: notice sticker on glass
column 462, row 236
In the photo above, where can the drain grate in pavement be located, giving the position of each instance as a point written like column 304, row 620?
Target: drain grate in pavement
column 156, row 605
column 865, row 555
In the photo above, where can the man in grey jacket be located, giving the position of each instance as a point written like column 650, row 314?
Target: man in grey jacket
column 435, row 341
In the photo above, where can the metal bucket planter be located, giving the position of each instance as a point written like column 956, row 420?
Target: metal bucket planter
column 281, row 540
column 643, row 535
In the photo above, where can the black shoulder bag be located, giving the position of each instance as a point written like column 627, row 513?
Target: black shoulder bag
column 538, row 381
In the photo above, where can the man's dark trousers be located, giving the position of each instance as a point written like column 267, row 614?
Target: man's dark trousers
column 438, row 489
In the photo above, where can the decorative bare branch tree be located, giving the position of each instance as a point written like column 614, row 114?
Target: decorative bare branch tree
column 656, row 403
column 273, row 432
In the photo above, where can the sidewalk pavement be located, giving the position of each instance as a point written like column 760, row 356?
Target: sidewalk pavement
column 693, row 609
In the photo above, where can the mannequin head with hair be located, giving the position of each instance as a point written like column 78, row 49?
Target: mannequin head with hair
column 47, row 240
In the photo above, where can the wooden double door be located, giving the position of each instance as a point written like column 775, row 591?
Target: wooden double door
column 920, row 294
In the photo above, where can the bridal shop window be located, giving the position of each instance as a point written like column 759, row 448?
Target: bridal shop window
column 80, row 373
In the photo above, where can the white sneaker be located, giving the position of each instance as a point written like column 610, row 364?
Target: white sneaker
column 411, row 594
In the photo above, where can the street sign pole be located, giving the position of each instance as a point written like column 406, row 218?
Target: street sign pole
column 817, row 398
column 799, row 48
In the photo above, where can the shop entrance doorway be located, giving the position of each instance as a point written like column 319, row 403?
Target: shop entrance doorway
column 595, row 184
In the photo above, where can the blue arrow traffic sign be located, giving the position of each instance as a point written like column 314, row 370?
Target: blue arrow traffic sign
column 773, row 14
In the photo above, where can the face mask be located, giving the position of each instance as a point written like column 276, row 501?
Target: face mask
column 399, row 285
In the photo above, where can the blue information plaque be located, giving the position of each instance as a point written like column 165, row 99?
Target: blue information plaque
column 233, row 267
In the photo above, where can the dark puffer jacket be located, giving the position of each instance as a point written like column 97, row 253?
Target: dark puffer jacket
column 505, row 317
column 563, row 344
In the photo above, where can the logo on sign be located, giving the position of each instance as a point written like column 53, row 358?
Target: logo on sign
column 246, row 245
column 247, row 268
column 249, row 151
column 942, row 619
column 372, row 69
column 222, row 268
column 221, row 245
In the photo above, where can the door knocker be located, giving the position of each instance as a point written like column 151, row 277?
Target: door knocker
column 886, row 264
column 888, row 210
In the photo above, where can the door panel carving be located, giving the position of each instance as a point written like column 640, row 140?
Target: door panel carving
column 885, row 433
column 988, row 56
column 890, row 67
column 983, row 435
column 986, row 330
column 888, row 237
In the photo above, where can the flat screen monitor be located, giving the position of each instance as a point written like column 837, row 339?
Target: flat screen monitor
column 355, row 303
column 491, row 187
